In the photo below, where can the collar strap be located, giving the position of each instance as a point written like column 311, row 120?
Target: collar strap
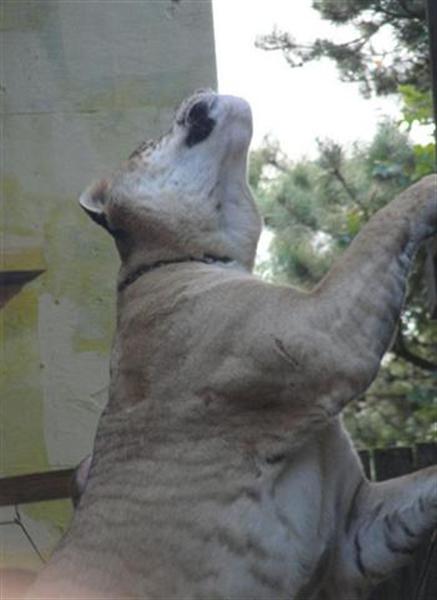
column 206, row 259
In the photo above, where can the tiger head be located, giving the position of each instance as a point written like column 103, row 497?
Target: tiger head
column 184, row 195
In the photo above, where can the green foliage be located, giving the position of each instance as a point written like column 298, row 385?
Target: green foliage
column 361, row 59
column 424, row 158
column 417, row 105
column 315, row 208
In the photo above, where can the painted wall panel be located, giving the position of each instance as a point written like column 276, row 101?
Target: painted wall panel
column 82, row 83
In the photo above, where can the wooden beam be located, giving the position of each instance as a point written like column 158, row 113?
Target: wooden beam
column 18, row 278
column 12, row 282
column 36, row 487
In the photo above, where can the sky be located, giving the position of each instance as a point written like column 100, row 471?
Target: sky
column 295, row 106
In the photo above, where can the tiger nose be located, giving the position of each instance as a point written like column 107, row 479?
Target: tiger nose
column 238, row 107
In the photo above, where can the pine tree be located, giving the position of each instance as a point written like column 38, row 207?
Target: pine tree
column 363, row 58
column 315, row 208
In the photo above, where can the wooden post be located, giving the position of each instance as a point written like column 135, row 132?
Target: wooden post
column 431, row 262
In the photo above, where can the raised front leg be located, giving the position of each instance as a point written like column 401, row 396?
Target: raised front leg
column 341, row 330
column 322, row 349
column 386, row 523
column 361, row 298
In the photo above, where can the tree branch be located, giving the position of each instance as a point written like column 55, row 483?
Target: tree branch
column 349, row 190
column 400, row 349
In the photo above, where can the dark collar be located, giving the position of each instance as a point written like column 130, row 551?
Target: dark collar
column 206, row 259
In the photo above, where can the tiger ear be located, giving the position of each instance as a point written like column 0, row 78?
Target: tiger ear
column 93, row 201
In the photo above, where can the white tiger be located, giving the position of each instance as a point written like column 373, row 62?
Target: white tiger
column 221, row 469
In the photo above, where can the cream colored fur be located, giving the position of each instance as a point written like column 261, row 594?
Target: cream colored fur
column 221, row 468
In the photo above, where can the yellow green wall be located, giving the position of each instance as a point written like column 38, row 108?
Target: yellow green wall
column 81, row 84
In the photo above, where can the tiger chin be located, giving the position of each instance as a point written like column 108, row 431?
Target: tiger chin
column 221, row 468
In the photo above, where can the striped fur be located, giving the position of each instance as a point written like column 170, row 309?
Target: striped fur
column 221, row 469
